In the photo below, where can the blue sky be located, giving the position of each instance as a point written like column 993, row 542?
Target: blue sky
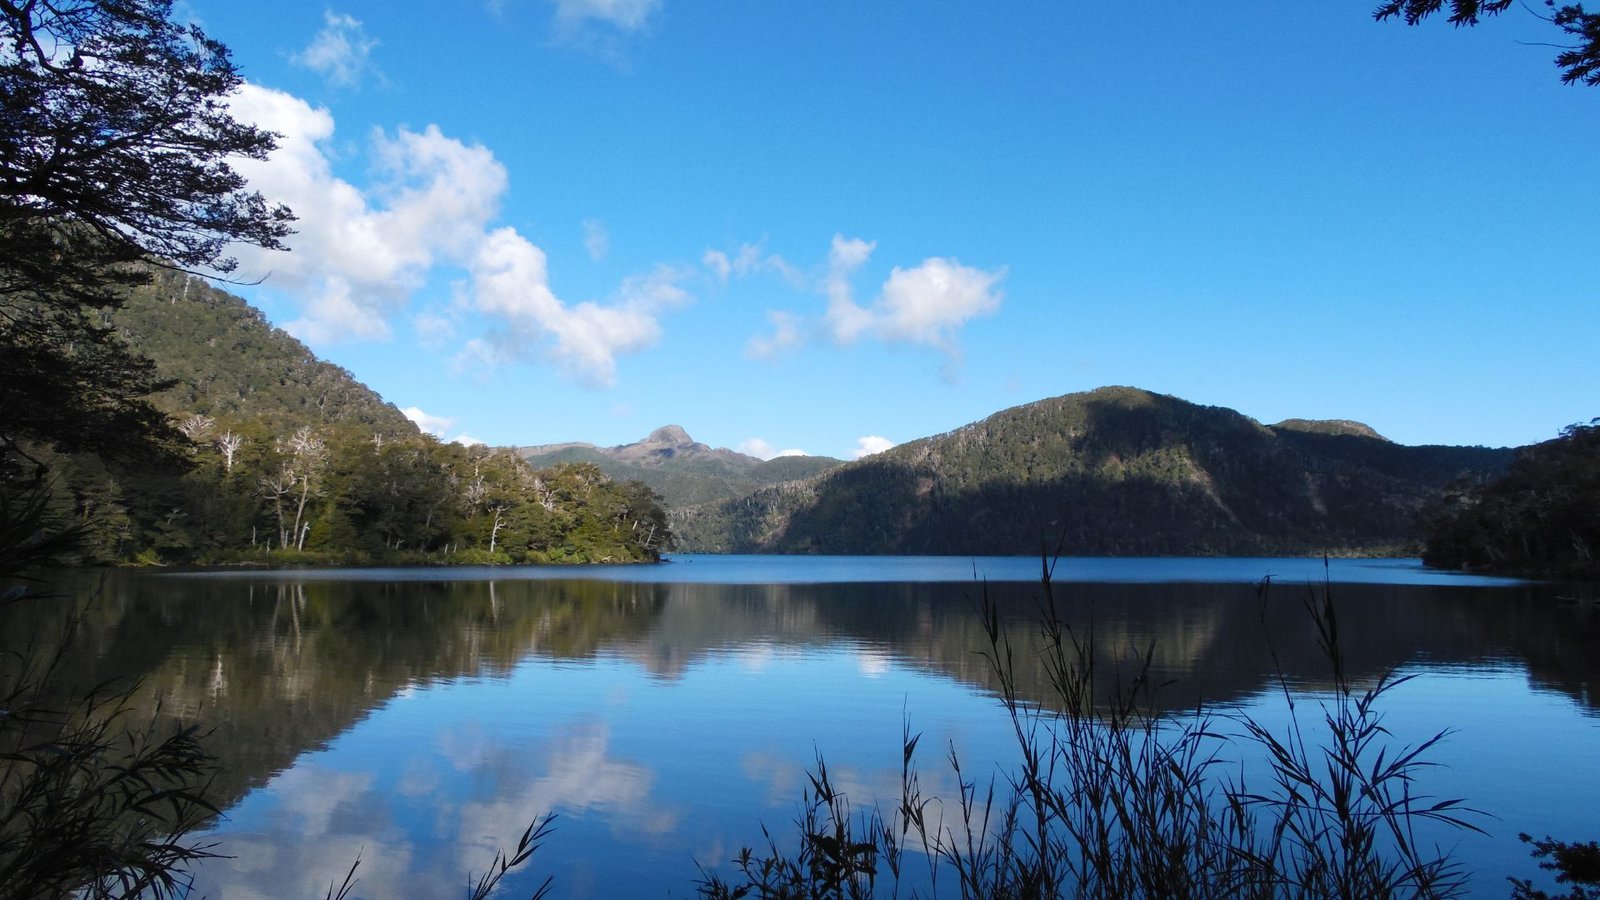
column 833, row 226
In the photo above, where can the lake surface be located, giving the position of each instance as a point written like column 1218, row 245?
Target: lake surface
column 417, row 719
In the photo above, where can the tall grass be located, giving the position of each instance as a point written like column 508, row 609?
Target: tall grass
column 1113, row 797
column 92, row 803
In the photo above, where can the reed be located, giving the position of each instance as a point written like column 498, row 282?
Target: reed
column 1112, row 797
column 92, row 802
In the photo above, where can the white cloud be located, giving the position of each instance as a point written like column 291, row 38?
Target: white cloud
column 625, row 15
column 341, row 52
column 847, row 319
column 760, row 449
column 595, row 239
column 467, row 440
column 748, row 260
column 358, row 256
column 511, row 281
column 434, row 425
column 872, row 443
column 928, row 304
column 718, row 263
column 786, row 337
column 352, row 263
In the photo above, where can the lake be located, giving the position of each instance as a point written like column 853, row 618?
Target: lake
column 417, row 719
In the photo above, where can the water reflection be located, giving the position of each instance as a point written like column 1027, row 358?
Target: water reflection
column 664, row 721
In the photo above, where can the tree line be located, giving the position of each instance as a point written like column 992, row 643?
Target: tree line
column 349, row 494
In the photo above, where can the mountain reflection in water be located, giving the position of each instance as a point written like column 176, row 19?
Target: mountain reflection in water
column 428, row 720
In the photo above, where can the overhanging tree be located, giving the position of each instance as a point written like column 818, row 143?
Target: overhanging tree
column 115, row 143
column 1579, row 59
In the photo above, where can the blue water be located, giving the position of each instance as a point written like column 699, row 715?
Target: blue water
column 734, row 569
column 417, row 719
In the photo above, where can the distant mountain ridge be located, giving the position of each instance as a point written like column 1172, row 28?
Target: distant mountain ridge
column 667, row 445
column 1117, row 470
column 1111, row 471
column 685, row 472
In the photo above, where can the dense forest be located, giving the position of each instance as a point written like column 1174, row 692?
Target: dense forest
column 284, row 458
column 1115, row 471
column 1542, row 517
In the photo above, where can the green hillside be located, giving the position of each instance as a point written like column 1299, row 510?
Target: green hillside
column 289, row 459
column 1112, row 471
column 228, row 362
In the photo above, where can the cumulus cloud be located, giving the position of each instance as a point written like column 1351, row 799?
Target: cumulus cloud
column 467, row 440
column 595, row 239
column 927, row 304
column 434, row 425
column 786, row 337
column 341, row 52
column 760, row 449
column 511, row 281
column 359, row 255
column 872, row 443
column 355, row 262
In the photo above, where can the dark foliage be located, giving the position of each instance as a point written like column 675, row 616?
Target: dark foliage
column 77, row 385
column 1579, row 61
column 114, row 148
column 1541, row 518
column 93, row 801
column 1575, row 864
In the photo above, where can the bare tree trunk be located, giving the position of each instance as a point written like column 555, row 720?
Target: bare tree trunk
column 300, row 509
column 229, row 444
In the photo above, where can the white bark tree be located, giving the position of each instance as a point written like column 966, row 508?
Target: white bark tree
column 310, row 456
column 229, row 443
column 196, row 427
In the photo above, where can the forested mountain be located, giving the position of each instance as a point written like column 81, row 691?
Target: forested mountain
column 1112, row 471
column 226, row 361
column 290, row 459
column 682, row 470
column 1542, row 517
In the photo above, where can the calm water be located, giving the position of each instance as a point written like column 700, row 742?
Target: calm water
column 417, row 719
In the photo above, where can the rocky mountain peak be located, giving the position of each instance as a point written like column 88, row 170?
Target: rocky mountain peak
column 669, row 434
